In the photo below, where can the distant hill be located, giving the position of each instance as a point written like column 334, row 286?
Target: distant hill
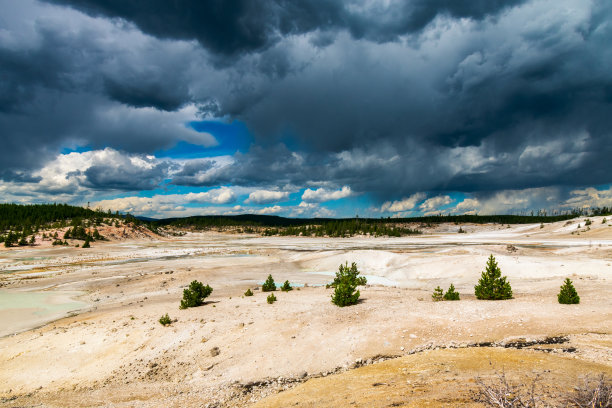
column 204, row 221
column 18, row 216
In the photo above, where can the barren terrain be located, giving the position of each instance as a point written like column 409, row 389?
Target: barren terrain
column 80, row 326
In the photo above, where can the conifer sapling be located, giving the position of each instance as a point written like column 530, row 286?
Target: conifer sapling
column 493, row 286
column 286, row 286
column 345, row 285
column 568, row 294
column 451, row 293
column 195, row 294
column 269, row 285
column 438, row 294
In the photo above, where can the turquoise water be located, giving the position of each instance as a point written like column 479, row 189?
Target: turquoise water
column 44, row 303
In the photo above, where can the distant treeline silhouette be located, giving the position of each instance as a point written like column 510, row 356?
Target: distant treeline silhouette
column 275, row 225
column 17, row 216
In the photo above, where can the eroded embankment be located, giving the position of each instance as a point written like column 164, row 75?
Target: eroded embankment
column 440, row 377
column 251, row 392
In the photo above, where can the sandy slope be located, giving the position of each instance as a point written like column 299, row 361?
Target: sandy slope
column 117, row 354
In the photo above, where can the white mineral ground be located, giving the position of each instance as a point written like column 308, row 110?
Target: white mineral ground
column 80, row 327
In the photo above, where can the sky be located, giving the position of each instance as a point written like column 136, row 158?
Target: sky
column 325, row 108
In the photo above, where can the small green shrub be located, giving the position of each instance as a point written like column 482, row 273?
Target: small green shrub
column 165, row 320
column 568, row 294
column 604, row 220
column 269, row 285
column 345, row 285
column 271, row 298
column 248, row 292
column 493, row 286
column 86, row 243
column 195, row 295
column 451, row 293
column 345, row 295
column 438, row 294
column 286, row 287
column 349, row 274
column 587, row 222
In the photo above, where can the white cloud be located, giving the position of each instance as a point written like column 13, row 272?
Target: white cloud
column 305, row 209
column 435, row 202
column 160, row 204
column 467, row 206
column 404, row 204
column 271, row 210
column 322, row 194
column 266, row 196
column 221, row 195
column 589, row 197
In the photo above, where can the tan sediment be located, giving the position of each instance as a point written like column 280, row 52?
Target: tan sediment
column 117, row 354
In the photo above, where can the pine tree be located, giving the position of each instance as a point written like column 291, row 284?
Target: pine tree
column 286, row 286
column 345, row 294
column 271, row 298
column 86, row 243
column 492, row 286
column 351, row 274
column 345, row 285
column 438, row 294
column 451, row 293
column 195, row 294
column 568, row 294
column 269, row 285
column 248, row 292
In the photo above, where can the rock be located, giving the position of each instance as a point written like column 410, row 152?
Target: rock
column 412, row 336
column 303, row 374
column 214, row 352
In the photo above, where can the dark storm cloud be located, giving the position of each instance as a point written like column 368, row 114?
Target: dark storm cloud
column 126, row 177
column 237, row 26
column 385, row 97
column 68, row 80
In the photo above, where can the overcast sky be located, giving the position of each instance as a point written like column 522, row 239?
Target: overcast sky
column 307, row 108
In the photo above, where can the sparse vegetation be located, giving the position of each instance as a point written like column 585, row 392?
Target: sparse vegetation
column 269, row 285
column 568, row 294
column 271, row 298
column 451, row 293
column 594, row 393
column 438, row 294
column 345, row 285
column 248, row 292
column 194, row 295
column 351, row 274
column 500, row 393
column 165, row 320
column 492, row 285
column 286, row 287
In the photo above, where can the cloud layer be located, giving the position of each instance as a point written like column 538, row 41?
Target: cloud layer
column 402, row 102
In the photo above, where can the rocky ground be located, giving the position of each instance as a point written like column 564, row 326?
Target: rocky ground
column 395, row 347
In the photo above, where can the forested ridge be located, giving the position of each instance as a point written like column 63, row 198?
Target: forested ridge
column 18, row 222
